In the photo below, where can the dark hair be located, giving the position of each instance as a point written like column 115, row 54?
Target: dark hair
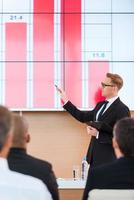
column 124, row 134
column 5, row 124
column 116, row 80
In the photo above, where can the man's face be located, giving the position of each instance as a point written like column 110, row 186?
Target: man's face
column 109, row 90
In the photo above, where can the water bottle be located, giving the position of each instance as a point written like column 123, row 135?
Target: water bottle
column 84, row 169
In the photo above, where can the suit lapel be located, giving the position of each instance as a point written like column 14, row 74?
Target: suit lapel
column 110, row 109
column 98, row 106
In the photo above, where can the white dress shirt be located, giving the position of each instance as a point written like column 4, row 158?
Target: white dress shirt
column 110, row 101
column 16, row 186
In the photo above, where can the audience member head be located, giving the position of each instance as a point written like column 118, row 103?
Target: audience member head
column 5, row 131
column 123, row 140
column 20, row 133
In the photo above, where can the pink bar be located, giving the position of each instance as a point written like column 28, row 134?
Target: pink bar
column 43, row 50
column 97, row 72
column 73, row 83
column 71, row 49
column 15, row 72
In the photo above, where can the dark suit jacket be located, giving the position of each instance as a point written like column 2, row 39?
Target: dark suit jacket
column 21, row 162
column 100, row 150
column 116, row 175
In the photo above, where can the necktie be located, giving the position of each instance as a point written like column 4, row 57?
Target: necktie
column 102, row 110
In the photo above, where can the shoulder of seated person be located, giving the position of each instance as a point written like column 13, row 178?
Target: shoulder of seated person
column 40, row 162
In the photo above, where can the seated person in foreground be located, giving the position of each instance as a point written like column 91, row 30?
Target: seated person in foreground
column 13, row 185
column 120, row 173
column 20, row 161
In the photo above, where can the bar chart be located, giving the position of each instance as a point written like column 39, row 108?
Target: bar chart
column 70, row 43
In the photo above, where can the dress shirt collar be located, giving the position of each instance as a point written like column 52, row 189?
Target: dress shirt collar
column 111, row 100
column 3, row 164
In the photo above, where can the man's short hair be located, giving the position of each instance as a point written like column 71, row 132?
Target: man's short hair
column 116, row 80
column 20, row 128
column 124, row 135
column 5, row 124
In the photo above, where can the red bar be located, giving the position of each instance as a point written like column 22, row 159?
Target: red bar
column 15, row 50
column 97, row 72
column 71, row 49
column 43, row 50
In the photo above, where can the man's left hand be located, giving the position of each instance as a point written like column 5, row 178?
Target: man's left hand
column 92, row 131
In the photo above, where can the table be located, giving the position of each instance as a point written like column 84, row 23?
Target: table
column 70, row 189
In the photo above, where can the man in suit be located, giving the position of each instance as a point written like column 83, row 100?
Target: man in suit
column 20, row 161
column 13, row 185
column 120, row 173
column 102, row 119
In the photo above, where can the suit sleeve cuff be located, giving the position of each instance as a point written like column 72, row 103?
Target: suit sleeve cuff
column 97, row 136
column 65, row 102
